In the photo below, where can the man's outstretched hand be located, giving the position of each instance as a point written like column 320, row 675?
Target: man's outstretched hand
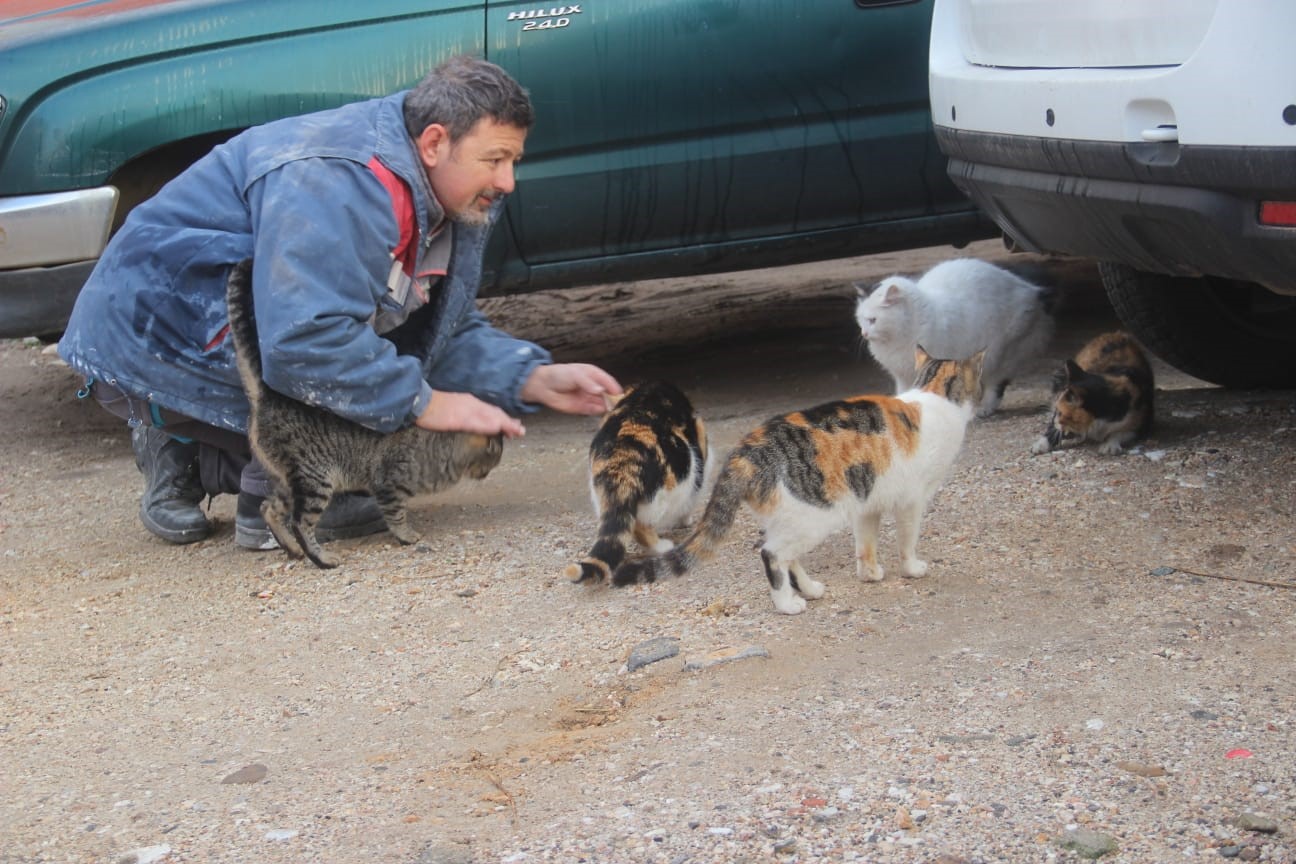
column 572, row 388
column 463, row 412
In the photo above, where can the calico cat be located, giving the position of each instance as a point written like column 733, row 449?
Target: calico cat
column 807, row 474
column 313, row 453
column 957, row 308
column 1104, row 395
column 648, row 465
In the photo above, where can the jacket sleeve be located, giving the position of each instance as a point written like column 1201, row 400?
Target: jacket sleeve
column 488, row 363
column 324, row 232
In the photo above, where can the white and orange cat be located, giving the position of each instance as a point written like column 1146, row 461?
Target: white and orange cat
column 848, row 463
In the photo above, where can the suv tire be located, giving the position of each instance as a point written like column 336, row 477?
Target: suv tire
column 1233, row 333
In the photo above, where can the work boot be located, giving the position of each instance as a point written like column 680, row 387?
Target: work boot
column 347, row 515
column 172, row 491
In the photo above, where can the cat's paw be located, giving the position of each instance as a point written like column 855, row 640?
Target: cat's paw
column 1041, row 446
column 788, row 603
column 809, row 588
column 323, row 560
column 872, row 573
column 405, row 535
column 662, row 546
column 1110, row 447
column 914, row 568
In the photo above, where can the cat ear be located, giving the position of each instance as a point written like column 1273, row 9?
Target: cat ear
column 894, row 294
column 610, row 401
column 920, row 357
column 863, row 289
column 1073, row 371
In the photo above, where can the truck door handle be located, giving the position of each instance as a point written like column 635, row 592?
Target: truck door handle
column 1160, row 133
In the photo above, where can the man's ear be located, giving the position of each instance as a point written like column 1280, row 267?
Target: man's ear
column 433, row 144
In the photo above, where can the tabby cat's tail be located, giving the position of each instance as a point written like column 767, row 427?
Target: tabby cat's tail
column 615, row 531
column 238, row 296
column 721, row 510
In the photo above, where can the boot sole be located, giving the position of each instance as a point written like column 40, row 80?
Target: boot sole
column 178, row 536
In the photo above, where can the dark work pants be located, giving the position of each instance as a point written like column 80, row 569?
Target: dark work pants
column 225, row 462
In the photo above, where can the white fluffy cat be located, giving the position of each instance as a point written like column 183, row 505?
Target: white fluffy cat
column 956, row 309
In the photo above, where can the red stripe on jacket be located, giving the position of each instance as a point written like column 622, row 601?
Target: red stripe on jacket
column 402, row 201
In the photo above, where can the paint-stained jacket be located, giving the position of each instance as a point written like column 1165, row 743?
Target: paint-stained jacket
column 312, row 200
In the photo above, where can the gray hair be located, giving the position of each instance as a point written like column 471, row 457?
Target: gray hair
column 461, row 91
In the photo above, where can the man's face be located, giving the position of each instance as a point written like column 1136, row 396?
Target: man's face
column 468, row 174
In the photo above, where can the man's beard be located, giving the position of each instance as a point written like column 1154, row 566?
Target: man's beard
column 472, row 216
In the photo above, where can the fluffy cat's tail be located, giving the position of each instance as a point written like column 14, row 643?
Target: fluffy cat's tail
column 721, row 510
column 238, row 296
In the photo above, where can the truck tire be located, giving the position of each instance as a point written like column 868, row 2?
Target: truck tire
column 1232, row 333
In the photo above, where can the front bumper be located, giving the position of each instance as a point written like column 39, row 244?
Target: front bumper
column 48, row 245
column 1158, row 207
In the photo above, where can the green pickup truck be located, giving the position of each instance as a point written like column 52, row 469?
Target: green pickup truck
column 674, row 136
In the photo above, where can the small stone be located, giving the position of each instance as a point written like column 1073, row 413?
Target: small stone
column 785, row 847
column 1163, row 571
column 652, row 651
column 1229, row 851
column 825, row 814
column 145, row 855
column 726, row 655
column 445, row 854
column 254, row 773
column 1087, row 844
column 278, row 834
column 1249, row 853
column 1200, row 714
column 1141, row 769
column 1258, row 823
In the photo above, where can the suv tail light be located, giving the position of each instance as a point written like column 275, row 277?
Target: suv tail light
column 1279, row 213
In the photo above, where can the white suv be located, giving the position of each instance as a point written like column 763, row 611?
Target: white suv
column 1157, row 137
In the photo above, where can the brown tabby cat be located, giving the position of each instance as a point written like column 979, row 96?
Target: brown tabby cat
column 313, row 453
column 1103, row 395
column 647, row 469
column 807, row 474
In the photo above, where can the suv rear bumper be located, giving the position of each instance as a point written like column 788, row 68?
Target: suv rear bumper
column 1158, row 207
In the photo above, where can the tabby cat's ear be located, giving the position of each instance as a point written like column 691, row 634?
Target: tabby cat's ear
column 1073, row 371
column 920, row 357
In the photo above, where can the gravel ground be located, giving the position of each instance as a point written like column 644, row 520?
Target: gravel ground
column 1099, row 663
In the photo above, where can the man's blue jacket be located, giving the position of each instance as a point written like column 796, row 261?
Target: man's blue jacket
column 329, row 206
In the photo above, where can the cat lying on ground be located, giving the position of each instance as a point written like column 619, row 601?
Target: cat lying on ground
column 1104, row 395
